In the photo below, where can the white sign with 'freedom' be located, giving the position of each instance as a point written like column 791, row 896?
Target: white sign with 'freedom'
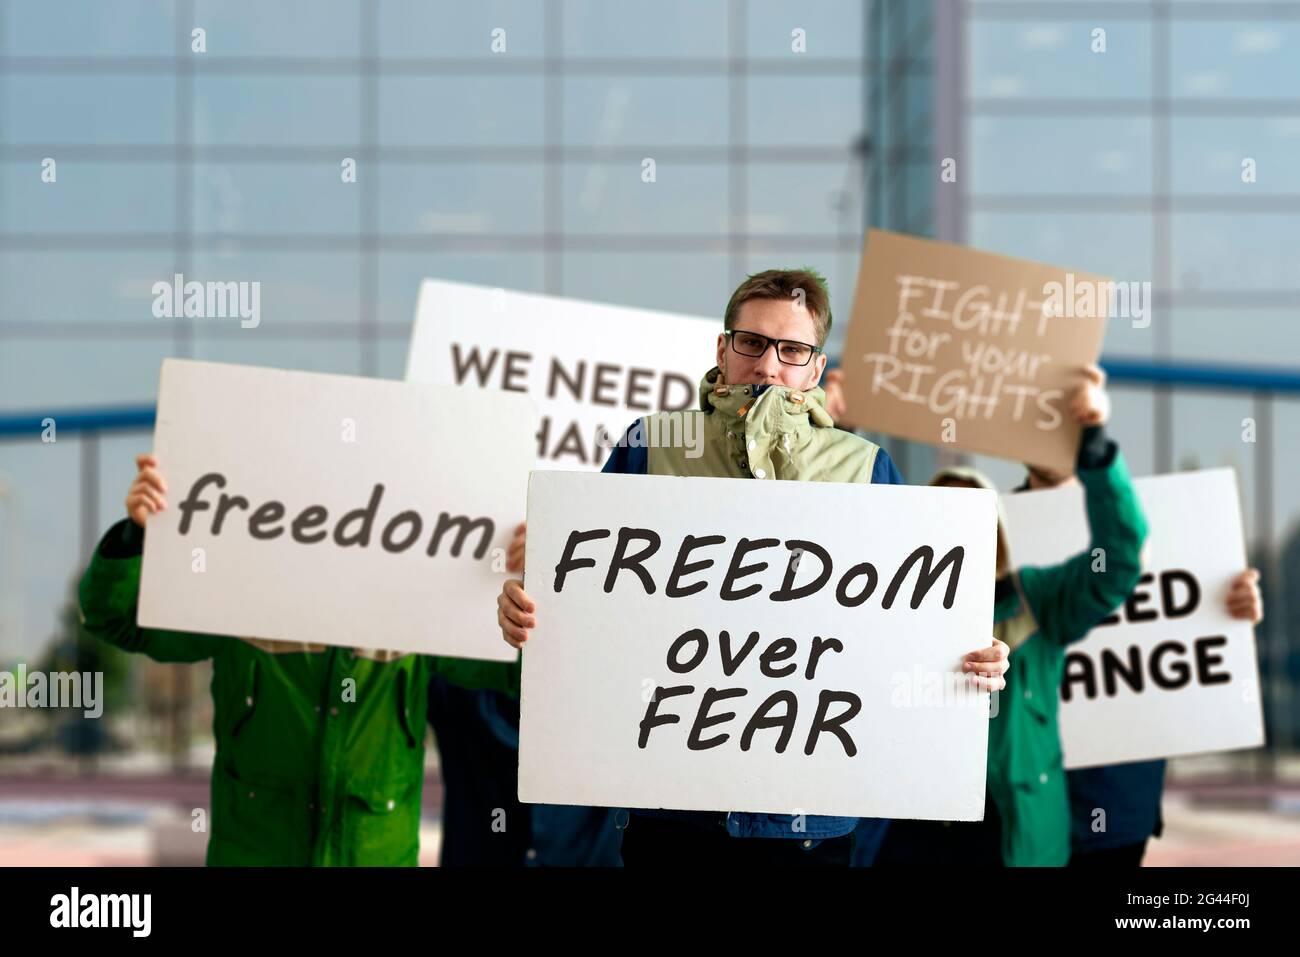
column 333, row 509
column 1170, row 672
column 738, row 645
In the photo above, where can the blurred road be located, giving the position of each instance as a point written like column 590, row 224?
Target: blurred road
column 143, row 820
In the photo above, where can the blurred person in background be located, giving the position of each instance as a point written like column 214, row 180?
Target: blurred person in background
column 1130, row 793
column 1038, row 611
column 483, row 822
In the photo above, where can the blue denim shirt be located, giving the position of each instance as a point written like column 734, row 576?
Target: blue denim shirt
column 632, row 458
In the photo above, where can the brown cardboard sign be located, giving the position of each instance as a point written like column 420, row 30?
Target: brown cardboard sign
column 952, row 346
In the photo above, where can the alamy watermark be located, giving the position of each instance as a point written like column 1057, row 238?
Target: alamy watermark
column 208, row 300
column 130, row 911
column 1090, row 299
column 663, row 430
column 921, row 688
column 58, row 689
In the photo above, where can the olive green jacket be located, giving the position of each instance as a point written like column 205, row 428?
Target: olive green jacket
column 319, row 750
column 763, row 432
column 1038, row 612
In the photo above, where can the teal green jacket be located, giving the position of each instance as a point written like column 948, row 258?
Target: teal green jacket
column 1038, row 612
column 319, row 750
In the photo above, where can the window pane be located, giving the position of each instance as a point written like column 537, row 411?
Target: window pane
column 1207, row 154
column 1258, row 336
column 1016, row 59
column 71, row 372
column 314, row 354
column 400, row 274
column 805, row 111
column 276, row 110
column 286, row 197
column 672, row 28
column 815, row 199
column 46, row 110
column 79, row 285
column 87, row 196
column 419, row 29
column 471, row 110
column 1117, row 245
column 460, row 198
column 832, row 28
column 32, row 28
column 1207, row 432
column 1065, row 155
column 645, row 111
column 1254, row 59
column 310, row 285
column 612, row 198
column 285, row 28
column 692, row 283
column 1234, row 251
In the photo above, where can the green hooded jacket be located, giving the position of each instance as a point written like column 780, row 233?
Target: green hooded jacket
column 1038, row 611
column 319, row 750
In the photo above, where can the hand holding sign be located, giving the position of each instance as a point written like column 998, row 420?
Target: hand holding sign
column 515, row 550
column 145, row 496
column 515, row 613
column 1244, row 600
column 833, row 386
column 1089, row 403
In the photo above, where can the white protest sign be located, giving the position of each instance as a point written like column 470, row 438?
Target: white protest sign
column 333, row 509
column 683, row 660
column 1171, row 672
column 591, row 368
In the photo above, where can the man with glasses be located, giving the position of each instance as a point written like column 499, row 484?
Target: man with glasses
column 762, row 416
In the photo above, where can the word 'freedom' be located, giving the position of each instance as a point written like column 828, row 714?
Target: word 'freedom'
column 352, row 529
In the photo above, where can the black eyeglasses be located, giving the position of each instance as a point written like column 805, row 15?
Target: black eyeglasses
column 754, row 345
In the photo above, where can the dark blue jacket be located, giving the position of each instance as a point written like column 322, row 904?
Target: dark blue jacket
column 483, row 823
column 1129, row 794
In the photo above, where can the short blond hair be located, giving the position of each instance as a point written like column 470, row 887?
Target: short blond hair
column 785, row 284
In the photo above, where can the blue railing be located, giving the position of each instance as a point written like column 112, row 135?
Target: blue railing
column 1192, row 375
column 120, row 418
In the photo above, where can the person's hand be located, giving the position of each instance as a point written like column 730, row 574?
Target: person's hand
column 833, row 386
column 515, row 551
column 1244, row 598
column 145, row 496
column 515, row 613
column 988, row 665
column 1089, row 403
